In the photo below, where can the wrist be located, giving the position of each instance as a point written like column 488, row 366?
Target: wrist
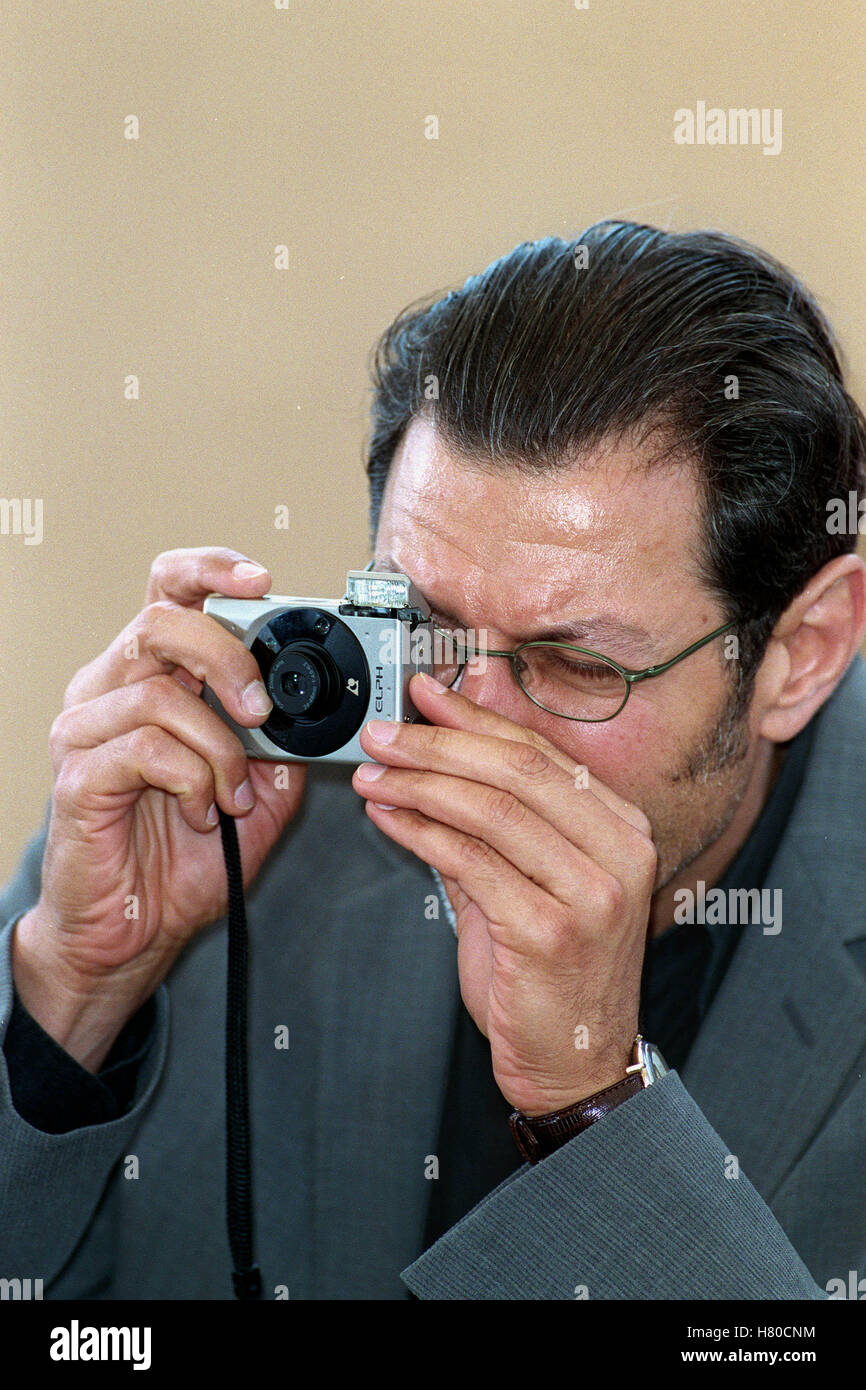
column 538, row 1135
column 81, row 1014
column 552, row 1103
column 606, row 1071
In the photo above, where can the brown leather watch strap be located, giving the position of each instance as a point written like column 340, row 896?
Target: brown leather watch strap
column 536, row 1136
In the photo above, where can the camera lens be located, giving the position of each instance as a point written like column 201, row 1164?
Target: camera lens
column 299, row 685
column 316, row 672
column 303, row 681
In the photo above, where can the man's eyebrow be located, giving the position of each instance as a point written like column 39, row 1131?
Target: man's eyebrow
column 602, row 630
column 594, row 632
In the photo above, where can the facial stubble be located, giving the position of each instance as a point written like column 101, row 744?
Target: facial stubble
column 706, row 788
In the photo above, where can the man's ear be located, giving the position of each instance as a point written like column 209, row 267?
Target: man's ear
column 810, row 650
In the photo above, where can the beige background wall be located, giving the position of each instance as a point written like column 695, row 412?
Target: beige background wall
column 305, row 126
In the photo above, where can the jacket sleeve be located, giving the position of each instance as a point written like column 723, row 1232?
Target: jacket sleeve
column 638, row 1206
column 53, row 1092
column 53, row 1186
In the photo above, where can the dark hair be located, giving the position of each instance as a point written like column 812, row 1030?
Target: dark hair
column 636, row 332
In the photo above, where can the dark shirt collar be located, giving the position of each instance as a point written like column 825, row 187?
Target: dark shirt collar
column 684, row 966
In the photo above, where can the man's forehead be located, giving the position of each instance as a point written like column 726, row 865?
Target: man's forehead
column 602, row 520
column 603, row 489
column 601, row 630
column 597, row 551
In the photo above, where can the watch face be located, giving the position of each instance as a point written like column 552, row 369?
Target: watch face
column 654, row 1063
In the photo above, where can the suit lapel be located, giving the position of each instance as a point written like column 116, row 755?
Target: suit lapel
column 786, row 1030
column 390, row 992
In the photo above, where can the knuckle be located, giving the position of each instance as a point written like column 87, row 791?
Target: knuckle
column 501, row 808
column 146, row 619
column 232, row 763
column 156, row 692
column 153, row 612
column 201, row 781
column 475, row 854
column 58, row 735
column 247, row 666
column 640, row 821
column 73, row 693
column 647, row 880
column 72, row 780
column 647, row 854
column 560, row 933
column 147, row 742
column 643, row 855
column 163, row 563
column 526, row 760
column 607, row 897
column 69, row 694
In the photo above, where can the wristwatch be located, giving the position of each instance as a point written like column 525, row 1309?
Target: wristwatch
column 536, row 1136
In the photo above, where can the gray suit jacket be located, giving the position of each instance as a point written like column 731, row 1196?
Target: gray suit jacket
column 349, row 953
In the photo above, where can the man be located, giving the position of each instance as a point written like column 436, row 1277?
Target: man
column 629, row 448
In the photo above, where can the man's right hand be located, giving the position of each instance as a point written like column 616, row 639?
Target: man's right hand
column 132, row 866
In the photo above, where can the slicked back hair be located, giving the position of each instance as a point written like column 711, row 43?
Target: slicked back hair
column 696, row 342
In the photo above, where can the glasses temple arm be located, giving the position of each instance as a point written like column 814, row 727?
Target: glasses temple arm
column 633, row 676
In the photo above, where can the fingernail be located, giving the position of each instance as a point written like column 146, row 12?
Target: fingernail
column 382, row 730
column 256, row 699
column 432, row 684
column 213, row 814
column 247, row 569
column 369, row 772
column 244, row 796
column 380, row 806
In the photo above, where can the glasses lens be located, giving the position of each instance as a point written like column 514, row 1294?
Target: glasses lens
column 567, row 682
column 447, row 654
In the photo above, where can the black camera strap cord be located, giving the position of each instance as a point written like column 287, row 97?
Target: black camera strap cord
column 246, row 1275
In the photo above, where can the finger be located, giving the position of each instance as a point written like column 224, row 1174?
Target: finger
column 163, row 702
column 528, row 841
column 526, row 771
column 93, row 780
column 454, row 710
column 184, row 678
column 456, row 895
column 514, row 906
column 164, row 636
column 188, row 576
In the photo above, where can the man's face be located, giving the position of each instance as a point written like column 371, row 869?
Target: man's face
column 607, row 547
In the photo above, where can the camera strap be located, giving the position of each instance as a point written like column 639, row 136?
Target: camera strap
column 246, row 1275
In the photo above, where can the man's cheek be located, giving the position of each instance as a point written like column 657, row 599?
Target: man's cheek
column 624, row 758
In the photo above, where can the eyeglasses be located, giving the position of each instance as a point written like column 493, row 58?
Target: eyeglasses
column 572, row 682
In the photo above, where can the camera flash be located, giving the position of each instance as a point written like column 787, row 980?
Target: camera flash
column 372, row 589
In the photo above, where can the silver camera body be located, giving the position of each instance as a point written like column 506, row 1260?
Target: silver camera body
column 329, row 665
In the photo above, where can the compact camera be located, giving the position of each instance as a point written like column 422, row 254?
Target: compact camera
column 330, row 665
